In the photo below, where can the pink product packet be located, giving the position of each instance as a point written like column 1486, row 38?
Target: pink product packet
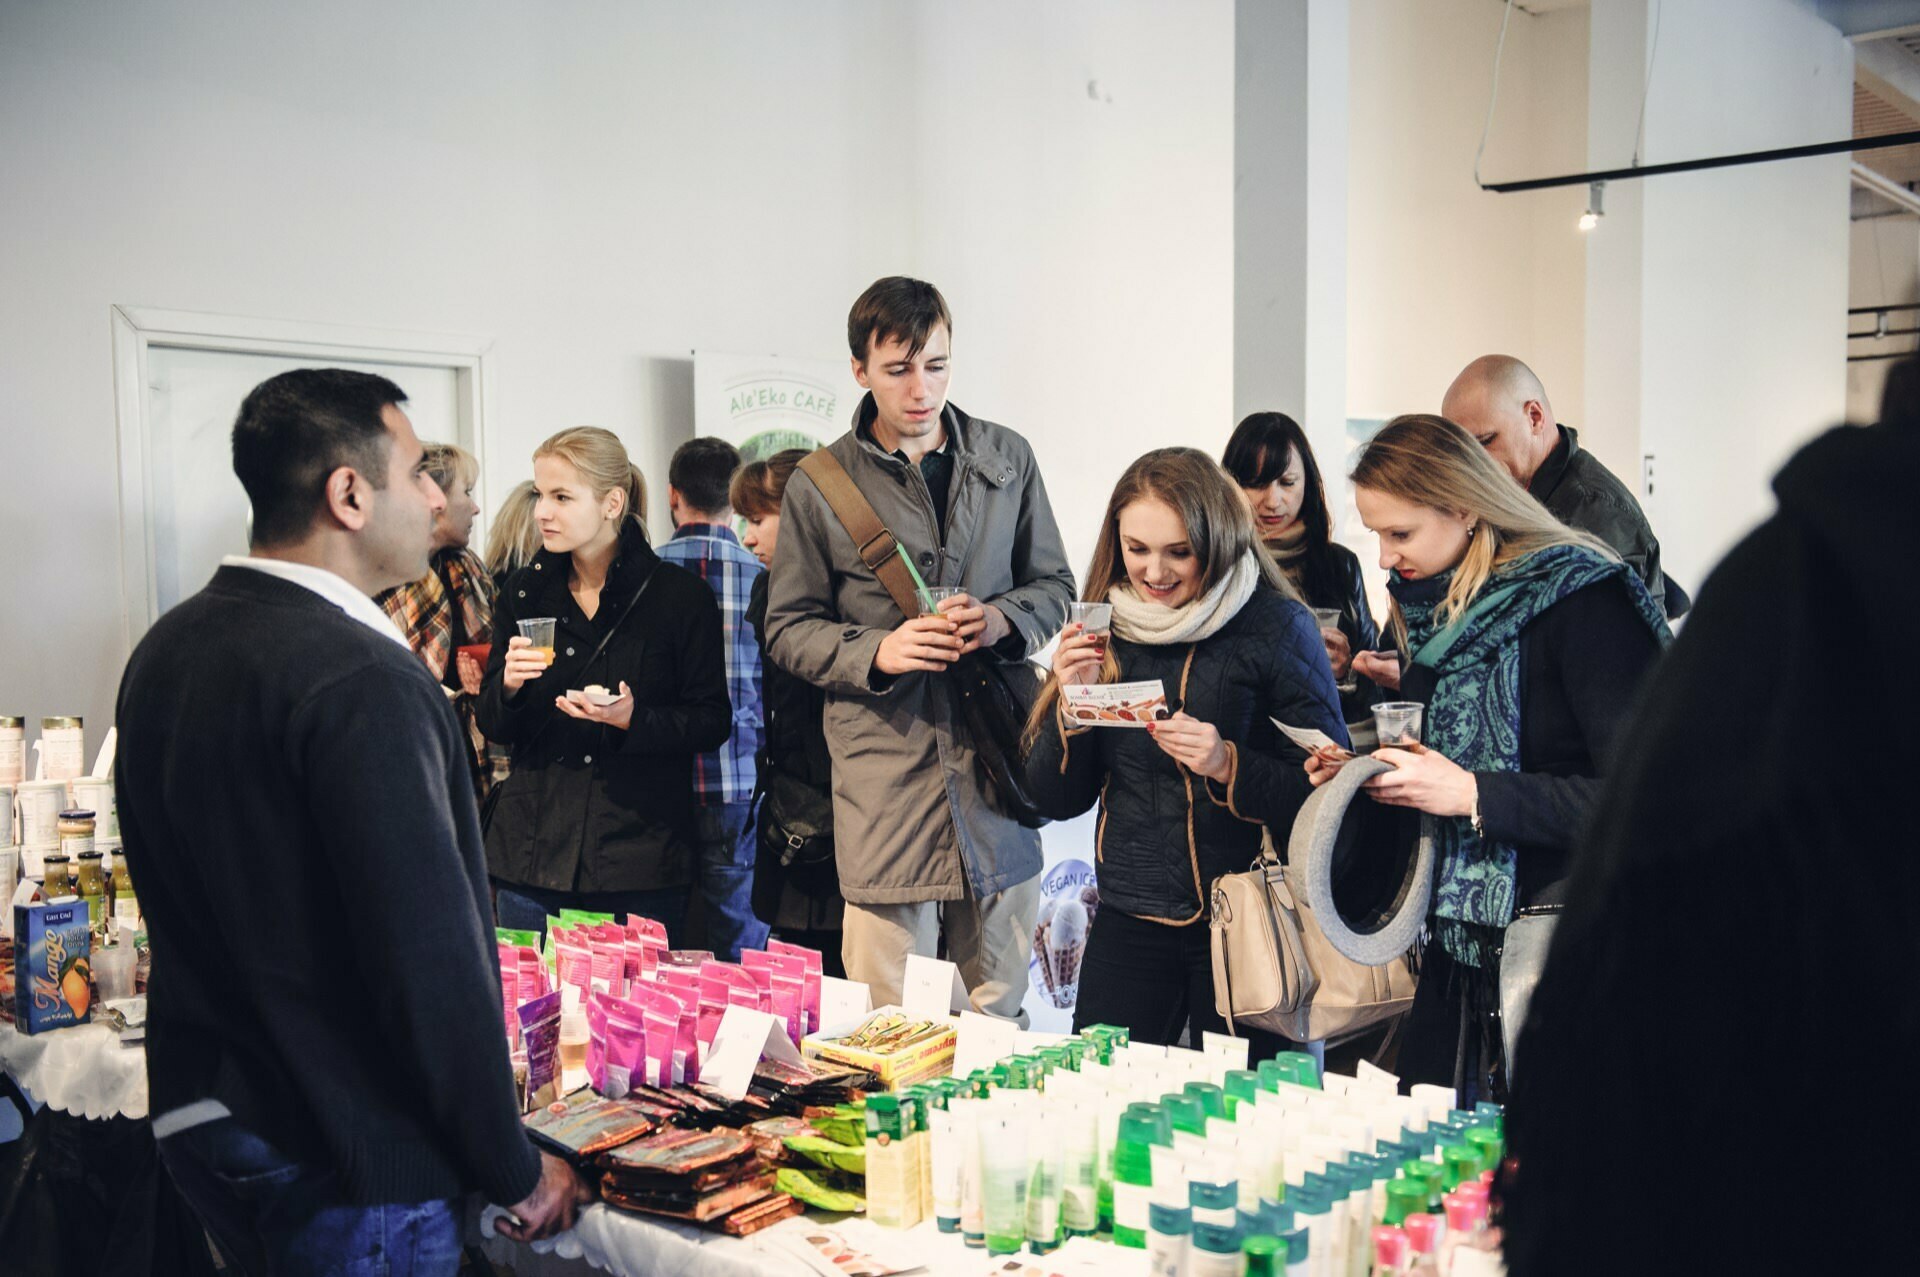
column 815, row 967
column 533, row 974
column 686, row 959
column 668, row 1034
column 609, row 967
column 655, row 933
column 574, row 965
column 597, row 1043
column 626, row 1055
column 722, row 984
column 510, row 1001
column 788, row 997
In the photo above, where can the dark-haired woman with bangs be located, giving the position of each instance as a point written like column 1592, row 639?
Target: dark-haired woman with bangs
column 1271, row 460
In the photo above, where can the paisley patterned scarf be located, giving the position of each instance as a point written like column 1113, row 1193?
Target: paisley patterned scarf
column 1474, row 717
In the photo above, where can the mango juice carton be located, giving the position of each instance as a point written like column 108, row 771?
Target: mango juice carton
column 51, row 966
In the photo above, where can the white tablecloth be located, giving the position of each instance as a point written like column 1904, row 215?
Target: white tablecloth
column 81, row 1070
column 608, row 1240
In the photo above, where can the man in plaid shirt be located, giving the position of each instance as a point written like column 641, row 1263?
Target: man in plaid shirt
column 704, row 544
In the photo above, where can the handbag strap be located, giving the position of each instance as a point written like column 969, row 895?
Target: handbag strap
column 878, row 548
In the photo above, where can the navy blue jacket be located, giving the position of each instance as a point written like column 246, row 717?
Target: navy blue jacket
column 1165, row 834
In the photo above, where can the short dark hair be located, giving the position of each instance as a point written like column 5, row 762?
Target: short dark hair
column 299, row 427
column 758, row 486
column 896, row 309
column 1256, row 455
column 701, row 469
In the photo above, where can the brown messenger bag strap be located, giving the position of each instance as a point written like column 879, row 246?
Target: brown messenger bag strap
column 877, row 547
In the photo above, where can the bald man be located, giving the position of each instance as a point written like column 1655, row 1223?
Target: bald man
column 1502, row 404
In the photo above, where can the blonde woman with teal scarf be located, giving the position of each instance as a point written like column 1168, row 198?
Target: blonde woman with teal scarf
column 1525, row 640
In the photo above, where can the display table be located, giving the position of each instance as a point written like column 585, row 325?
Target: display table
column 81, row 1070
column 629, row 1245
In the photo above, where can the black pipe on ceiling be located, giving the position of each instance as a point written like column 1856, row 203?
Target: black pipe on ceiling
column 1876, row 142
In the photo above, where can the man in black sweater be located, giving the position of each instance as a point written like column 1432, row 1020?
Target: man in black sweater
column 326, row 1056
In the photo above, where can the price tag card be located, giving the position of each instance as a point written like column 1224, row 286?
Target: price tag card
column 983, row 1041
column 843, row 1004
column 744, row 1036
column 932, row 989
column 1230, row 1051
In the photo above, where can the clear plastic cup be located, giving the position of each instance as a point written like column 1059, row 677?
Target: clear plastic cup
column 1398, row 723
column 1329, row 617
column 1095, row 618
column 938, row 594
column 538, row 630
column 113, row 971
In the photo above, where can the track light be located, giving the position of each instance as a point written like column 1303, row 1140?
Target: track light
column 1595, row 210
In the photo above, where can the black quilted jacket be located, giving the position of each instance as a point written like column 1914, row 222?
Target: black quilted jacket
column 1163, row 832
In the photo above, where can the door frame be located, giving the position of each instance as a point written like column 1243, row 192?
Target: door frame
column 139, row 329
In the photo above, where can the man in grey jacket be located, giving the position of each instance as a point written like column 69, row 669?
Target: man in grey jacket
column 918, row 838
column 1500, row 402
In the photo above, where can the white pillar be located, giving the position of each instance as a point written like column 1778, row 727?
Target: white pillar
column 1290, row 219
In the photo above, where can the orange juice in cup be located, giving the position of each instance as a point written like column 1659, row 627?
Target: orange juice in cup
column 538, row 630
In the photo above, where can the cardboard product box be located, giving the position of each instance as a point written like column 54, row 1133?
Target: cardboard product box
column 924, row 1060
column 52, row 966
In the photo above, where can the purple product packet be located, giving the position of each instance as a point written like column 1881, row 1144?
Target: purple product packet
column 540, row 1030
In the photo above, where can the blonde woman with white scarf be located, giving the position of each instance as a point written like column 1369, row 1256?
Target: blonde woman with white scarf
column 1199, row 607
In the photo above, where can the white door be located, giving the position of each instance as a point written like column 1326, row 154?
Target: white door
column 196, row 510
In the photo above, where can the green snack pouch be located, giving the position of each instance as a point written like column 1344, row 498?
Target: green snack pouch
column 816, row 1189
column 519, row 939
column 827, row 1153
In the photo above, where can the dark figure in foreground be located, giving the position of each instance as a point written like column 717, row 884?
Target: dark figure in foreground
column 1732, row 975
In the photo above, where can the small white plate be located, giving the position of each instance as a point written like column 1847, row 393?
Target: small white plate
column 601, row 699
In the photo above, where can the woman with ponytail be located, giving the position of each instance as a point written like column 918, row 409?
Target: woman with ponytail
column 598, row 811
column 1200, row 607
column 1524, row 639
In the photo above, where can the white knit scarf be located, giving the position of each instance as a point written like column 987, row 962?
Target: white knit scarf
column 1151, row 624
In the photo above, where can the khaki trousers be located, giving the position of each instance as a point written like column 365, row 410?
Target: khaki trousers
column 989, row 940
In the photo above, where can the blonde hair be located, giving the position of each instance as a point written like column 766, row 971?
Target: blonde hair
column 602, row 461
column 1432, row 462
column 1220, row 531
column 514, row 538
column 451, row 466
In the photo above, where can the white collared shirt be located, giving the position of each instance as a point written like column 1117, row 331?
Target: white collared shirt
column 329, row 586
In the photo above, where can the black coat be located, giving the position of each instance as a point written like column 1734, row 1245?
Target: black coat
column 1164, row 834
column 793, row 741
column 590, row 808
column 1750, row 888
column 1580, row 661
column 1338, row 583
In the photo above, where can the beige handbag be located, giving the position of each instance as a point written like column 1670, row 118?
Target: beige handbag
column 1274, row 968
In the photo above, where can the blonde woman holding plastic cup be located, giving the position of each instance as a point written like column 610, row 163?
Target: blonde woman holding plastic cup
column 1523, row 640
column 598, row 810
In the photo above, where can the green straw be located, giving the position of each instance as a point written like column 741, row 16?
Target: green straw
column 919, row 586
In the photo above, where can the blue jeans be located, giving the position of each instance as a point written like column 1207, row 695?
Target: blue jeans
column 522, row 908
column 725, row 834
column 272, row 1215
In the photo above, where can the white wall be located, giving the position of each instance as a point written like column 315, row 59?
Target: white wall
column 600, row 188
column 1440, row 271
column 1741, row 273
